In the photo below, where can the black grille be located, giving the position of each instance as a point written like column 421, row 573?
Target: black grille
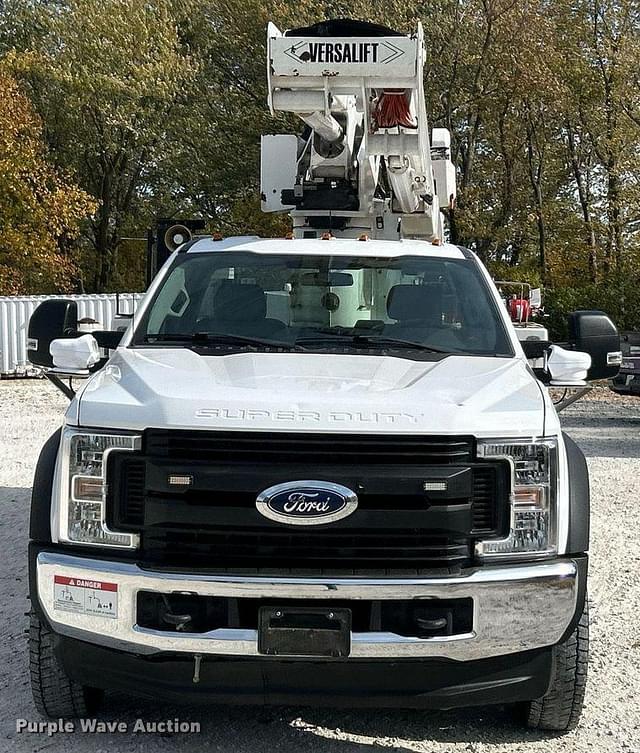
column 321, row 549
column 215, row 524
column 307, row 448
column 130, row 494
column 485, row 492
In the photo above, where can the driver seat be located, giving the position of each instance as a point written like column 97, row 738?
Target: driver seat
column 242, row 310
column 417, row 310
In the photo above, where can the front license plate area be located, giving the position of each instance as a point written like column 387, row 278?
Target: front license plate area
column 304, row 631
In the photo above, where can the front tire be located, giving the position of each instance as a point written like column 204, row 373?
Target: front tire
column 560, row 708
column 55, row 695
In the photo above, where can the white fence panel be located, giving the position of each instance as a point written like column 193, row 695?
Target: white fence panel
column 15, row 312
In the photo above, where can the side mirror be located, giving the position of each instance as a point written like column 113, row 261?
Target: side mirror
column 593, row 352
column 594, row 333
column 52, row 320
column 78, row 354
column 557, row 366
column 567, row 368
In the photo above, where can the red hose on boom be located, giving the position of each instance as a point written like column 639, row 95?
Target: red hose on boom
column 392, row 110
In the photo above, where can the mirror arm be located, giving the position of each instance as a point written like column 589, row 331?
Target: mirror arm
column 97, row 366
column 107, row 338
column 565, row 401
column 542, row 375
column 535, row 348
column 67, row 390
column 538, row 348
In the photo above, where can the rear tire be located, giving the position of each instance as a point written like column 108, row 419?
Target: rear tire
column 560, row 708
column 55, row 695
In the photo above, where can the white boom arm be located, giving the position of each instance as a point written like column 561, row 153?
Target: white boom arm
column 366, row 163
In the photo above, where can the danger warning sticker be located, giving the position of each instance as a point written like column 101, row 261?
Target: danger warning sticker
column 83, row 596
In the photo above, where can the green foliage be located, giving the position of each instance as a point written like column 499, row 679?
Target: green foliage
column 105, row 76
column 156, row 107
column 619, row 298
column 40, row 209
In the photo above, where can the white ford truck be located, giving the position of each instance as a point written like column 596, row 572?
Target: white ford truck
column 266, row 495
column 322, row 468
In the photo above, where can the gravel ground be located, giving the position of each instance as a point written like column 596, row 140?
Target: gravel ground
column 605, row 426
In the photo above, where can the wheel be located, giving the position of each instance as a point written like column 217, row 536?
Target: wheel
column 561, row 707
column 55, row 695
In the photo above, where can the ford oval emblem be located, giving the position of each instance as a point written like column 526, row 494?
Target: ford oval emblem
column 306, row 503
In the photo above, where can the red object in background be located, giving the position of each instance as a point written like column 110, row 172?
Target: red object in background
column 519, row 309
column 392, row 109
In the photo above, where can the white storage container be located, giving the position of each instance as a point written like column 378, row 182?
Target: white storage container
column 15, row 312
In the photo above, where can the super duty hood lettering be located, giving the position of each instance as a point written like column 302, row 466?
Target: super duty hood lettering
column 307, row 416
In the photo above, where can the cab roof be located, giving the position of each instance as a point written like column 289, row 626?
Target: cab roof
column 318, row 247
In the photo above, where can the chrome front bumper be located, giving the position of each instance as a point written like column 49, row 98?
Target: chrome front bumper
column 515, row 607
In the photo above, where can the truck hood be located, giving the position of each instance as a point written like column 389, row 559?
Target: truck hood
column 178, row 388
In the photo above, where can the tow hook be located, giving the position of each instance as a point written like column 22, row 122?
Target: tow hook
column 179, row 621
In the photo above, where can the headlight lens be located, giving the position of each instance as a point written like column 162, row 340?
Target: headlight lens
column 533, row 527
column 82, row 486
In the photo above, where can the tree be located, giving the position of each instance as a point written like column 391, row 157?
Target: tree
column 157, row 108
column 40, row 209
column 105, row 76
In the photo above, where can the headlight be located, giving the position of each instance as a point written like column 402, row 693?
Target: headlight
column 81, row 484
column 533, row 527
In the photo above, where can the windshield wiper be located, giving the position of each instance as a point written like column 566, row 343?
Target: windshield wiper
column 389, row 342
column 220, row 338
column 392, row 342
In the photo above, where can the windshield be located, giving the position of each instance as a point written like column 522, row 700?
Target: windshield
column 238, row 300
